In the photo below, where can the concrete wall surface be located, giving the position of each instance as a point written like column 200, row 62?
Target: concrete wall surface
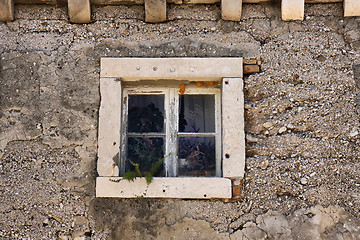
column 301, row 122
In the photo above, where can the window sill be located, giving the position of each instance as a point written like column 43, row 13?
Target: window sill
column 165, row 187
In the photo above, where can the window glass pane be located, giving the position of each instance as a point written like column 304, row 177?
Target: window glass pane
column 196, row 156
column 146, row 113
column 197, row 113
column 146, row 152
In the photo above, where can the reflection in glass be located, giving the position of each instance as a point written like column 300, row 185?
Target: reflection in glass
column 196, row 156
column 146, row 152
column 197, row 113
column 146, row 113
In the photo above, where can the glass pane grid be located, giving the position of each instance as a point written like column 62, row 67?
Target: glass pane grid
column 195, row 133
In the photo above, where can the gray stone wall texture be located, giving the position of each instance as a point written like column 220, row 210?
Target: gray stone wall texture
column 301, row 120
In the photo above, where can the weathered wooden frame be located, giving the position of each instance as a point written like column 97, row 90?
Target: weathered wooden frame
column 115, row 71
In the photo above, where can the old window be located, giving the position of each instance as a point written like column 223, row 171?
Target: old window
column 186, row 128
column 182, row 108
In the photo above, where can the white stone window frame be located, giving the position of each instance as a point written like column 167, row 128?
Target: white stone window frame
column 116, row 71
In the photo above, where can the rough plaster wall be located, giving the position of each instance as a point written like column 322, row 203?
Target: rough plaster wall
column 301, row 122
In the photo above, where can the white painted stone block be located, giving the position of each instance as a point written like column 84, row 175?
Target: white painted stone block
column 6, row 10
column 351, row 8
column 292, row 10
column 209, row 69
column 231, row 10
column 233, row 134
column 79, row 11
column 165, row 187
column 155, row 11
column 109, row 127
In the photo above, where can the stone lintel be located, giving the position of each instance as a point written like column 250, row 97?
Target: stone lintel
column 79, row 11
column 231, row 10
column 292, row 10
column 6, row 10
column 204, row 69
column 155, row 11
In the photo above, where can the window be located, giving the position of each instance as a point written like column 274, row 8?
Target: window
column 182, row 108
column 184, row 127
